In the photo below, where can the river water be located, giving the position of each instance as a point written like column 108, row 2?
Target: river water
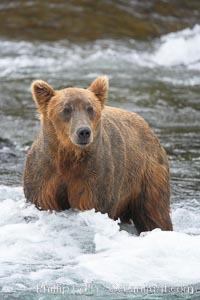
column 151, row 54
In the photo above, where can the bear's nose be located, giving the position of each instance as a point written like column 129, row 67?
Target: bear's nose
column 83, row 133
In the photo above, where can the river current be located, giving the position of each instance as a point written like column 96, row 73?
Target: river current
column 44, row 255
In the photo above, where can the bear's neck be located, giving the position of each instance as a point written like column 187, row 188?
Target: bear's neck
column 68, row 158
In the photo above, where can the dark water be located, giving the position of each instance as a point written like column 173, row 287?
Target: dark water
column 87, row 20
column 151, row 73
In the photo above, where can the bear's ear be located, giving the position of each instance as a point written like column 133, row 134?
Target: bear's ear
column 100, row 88
column 42, row 93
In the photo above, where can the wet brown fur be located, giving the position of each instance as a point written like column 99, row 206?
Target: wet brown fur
column 123, row 171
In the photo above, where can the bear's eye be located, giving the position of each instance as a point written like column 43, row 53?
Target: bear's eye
column 66, row 113
column 90, row 110
column 67, row 110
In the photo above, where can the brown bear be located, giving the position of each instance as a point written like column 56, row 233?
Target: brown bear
column 88, row 155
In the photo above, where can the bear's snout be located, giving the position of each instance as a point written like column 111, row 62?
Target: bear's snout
column 83, row 134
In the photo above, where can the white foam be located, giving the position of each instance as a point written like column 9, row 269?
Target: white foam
column 179, row 48
column 156, row 258
column 23, row 59
column 71, row 246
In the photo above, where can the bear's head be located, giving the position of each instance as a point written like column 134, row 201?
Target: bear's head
column 74, row 113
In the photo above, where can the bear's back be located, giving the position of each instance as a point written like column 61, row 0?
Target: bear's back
column 132, row 127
